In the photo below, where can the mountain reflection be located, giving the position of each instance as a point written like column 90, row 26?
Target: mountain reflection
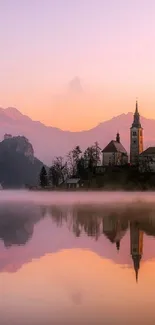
column 17, row 223
column 113, row 222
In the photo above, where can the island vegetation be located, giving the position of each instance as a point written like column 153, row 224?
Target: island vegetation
column 86, row 166
column 19, row 168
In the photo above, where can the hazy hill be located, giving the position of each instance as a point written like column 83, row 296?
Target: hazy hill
column 49, row 141
column 18, row 166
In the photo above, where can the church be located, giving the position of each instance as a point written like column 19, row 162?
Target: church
column 114, row 154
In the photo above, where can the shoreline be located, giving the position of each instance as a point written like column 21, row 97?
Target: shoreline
column 106, row 189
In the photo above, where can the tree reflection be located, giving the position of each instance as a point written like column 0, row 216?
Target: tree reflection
column 110, row 221
column 17, row 223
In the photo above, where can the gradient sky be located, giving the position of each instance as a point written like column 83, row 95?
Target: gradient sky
column 75, row 63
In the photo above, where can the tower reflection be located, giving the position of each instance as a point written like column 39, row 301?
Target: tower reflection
column 136, row 245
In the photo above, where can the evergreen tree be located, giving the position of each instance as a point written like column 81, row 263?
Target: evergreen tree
column 43, row 177
column 81, row 169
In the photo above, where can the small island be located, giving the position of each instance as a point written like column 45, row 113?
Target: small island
column 110, row 168
column 106, row 169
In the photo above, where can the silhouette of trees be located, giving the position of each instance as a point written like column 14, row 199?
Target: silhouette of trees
column 43, row 177
column 92, row 156
column 77, row 164
column 73, row 158
column 81, row 169
column 58, row 171
column 81, row 165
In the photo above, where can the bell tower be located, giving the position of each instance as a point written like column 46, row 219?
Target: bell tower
column 136, row 138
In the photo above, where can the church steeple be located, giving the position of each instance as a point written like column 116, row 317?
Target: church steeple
column 136, row 138
column 136, row 112
column 136, row 119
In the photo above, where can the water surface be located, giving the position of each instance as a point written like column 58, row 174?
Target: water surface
column 77, row 258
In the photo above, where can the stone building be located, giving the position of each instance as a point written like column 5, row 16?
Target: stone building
column 147, row 160
column 7, row 136
column 114, row 153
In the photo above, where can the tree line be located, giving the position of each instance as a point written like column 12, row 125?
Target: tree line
column 75, row 164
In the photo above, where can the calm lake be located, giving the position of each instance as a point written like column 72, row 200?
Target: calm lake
column 77, row 258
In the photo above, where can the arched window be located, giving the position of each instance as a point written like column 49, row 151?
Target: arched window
column 134, row 133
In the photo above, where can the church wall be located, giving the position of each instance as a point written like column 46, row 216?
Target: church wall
column 114, row 158
column 108, row 158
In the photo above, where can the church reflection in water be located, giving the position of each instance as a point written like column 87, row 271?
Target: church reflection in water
column 115, row 231
column 112, row 224
column 17, row 225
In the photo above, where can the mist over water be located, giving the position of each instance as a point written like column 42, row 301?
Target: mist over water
column 56, row 197
column 77, row 258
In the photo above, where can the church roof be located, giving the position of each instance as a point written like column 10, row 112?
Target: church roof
column 148, row 151
column 114, row 146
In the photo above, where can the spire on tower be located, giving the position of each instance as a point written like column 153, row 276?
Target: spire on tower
column 136, row 120
column 136, row 111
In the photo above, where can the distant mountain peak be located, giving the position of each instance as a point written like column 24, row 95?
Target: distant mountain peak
column 14, row 113
column 13, row 110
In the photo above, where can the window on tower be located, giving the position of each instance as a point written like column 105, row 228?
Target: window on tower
column 134, row 133
column 134, row 141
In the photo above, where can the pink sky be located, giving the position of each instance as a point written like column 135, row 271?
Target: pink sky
column 108, row 45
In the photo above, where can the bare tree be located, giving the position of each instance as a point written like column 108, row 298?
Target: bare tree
column 92, row 155
column 58, row 171
column 73, row 158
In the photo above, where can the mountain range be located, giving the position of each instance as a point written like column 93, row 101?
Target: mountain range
column 49, row 141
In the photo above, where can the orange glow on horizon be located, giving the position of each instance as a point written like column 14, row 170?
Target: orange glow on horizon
column 73, row 279
column 75, row 113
